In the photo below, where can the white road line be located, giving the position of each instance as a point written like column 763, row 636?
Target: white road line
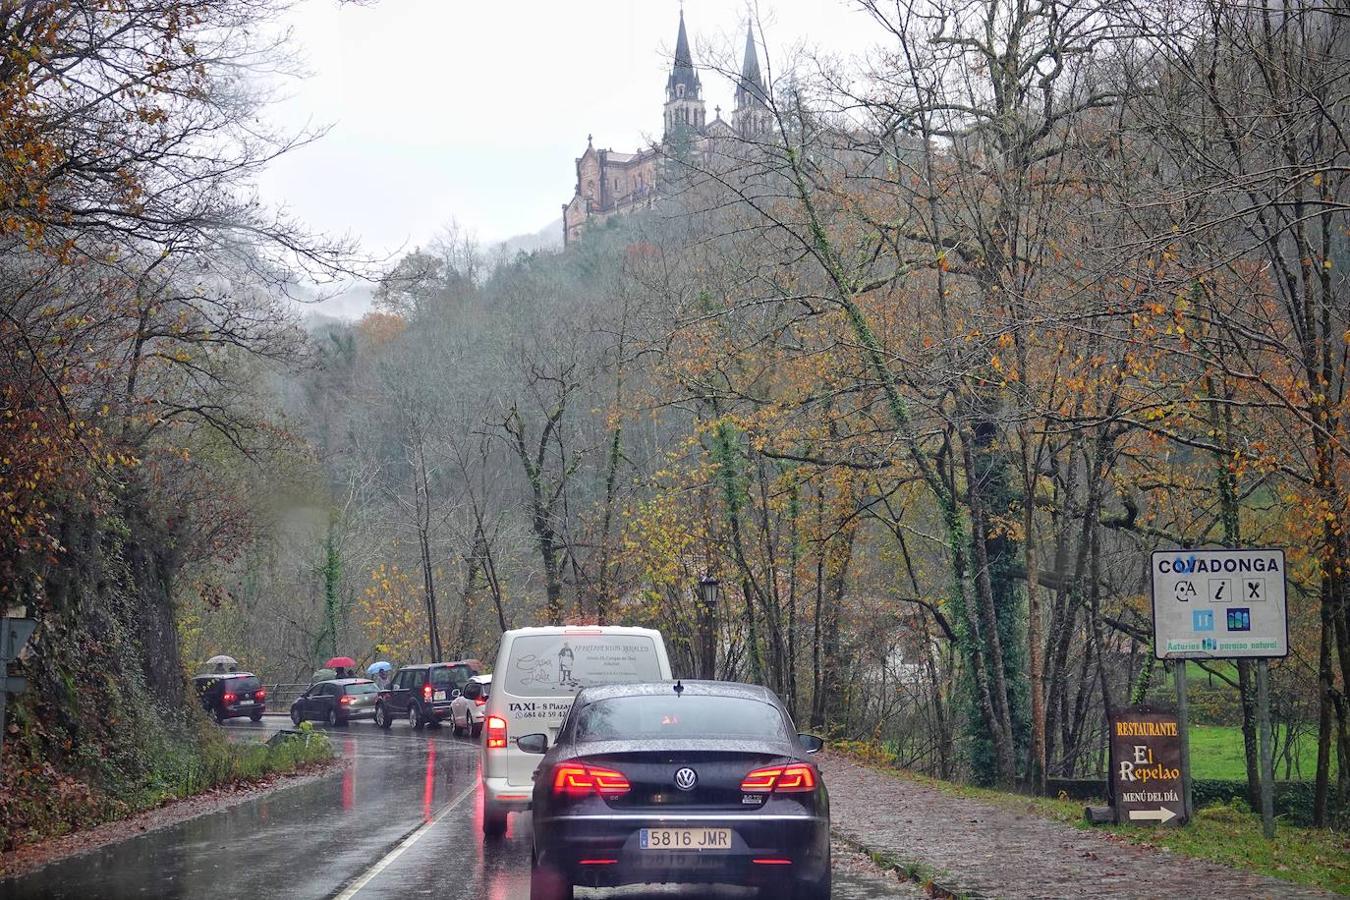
column 388, row 859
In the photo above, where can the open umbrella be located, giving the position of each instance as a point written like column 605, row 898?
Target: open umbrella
column 341, row 662
column 380, row 666
column 222, row 662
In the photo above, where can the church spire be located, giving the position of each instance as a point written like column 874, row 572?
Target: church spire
column 684, row 91
column 751, row 80
column 683, row 81
column 751, row 114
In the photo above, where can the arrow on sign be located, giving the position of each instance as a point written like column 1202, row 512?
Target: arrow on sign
column 1161, row 815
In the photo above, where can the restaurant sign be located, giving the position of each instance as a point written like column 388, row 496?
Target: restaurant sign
column 1146, row 780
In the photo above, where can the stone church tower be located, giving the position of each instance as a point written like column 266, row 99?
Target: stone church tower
column 751, row 117
column 684, row 92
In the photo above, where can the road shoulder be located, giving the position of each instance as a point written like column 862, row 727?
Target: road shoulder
column 31, row 857
column 966, row 847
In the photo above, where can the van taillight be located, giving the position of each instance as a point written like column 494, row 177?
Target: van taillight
column 797, row 778
column 260, row 694
column 496, row 733
column 426, row 691
column 581, row 781
column 229, row 698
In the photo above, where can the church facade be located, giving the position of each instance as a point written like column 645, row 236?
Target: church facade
column 610, row 183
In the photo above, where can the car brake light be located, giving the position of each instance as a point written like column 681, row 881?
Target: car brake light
column 426, row 692
column 582, row 781
column 260, row 694
column 229, row 698
column 496, row 733
column 345, row 699
column 792, row 779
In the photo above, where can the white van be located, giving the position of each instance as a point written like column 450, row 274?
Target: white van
column 537, row 676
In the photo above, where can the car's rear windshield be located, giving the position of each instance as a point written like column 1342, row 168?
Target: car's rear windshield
column 365, row 687
column 454, row 676
column 659, row 716
column 249, row 683
column 552, row 665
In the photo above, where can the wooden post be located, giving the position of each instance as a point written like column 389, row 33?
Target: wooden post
column 1184, row 726
column 1267, row 766
column 4, row 678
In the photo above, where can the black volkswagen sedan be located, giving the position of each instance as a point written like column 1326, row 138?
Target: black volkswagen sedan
column 700, row 781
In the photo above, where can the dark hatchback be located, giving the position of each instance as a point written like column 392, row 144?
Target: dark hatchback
column 695, row 782
column 422, row 694
column 231, row 695
column 337, row 702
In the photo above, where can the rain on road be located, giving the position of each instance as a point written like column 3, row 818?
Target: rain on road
column 402, row 819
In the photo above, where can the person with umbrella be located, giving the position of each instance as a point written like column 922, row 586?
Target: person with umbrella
column 344, row 666
column 221, row 661
column 380, row 672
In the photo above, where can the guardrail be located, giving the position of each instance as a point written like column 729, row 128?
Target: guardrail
column 280, row 696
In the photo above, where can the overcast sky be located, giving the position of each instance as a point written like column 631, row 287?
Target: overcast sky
column 475, row 111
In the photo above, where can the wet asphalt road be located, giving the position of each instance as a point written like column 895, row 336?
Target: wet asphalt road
column 341, row 837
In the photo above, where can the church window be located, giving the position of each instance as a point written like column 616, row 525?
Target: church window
column 679, row 90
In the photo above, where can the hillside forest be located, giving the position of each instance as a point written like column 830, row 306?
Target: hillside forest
column 920, row 377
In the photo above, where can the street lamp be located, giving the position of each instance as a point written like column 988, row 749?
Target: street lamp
column 708, row 589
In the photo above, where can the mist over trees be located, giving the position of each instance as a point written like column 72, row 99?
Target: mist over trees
column 920, row 375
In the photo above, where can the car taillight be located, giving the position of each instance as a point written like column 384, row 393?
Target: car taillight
column 496, row 733
column 582, row 781
column 426, row 692
column 260, row 694
column 229, row 698
column 792, row 779
column 345, row 698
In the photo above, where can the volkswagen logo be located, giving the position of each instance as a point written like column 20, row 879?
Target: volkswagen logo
column 686, row 778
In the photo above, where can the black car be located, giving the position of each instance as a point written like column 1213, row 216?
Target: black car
column 337, row 702
column 422, row 694
column 700, row 781
column 231, row 695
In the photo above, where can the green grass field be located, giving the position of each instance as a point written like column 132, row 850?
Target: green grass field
column 1216, row 752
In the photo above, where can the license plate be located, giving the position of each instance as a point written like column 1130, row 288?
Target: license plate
column 439, row 695
column 685, row 838
column 245, row 702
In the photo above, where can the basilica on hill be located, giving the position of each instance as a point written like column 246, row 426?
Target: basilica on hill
column 610, row 183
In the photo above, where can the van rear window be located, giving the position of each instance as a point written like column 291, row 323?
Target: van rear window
column 553, row 665
column 242, row 684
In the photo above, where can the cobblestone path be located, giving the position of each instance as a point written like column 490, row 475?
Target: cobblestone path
column 979, row 849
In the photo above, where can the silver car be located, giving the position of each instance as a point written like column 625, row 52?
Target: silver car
column 466, row 710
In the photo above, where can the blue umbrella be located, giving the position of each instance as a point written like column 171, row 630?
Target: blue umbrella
column 380, row 666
